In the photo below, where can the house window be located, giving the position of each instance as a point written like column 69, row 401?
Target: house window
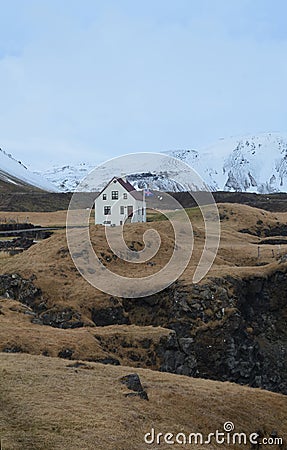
column 125, row 195
column 104, row 196
column 115, row 195
column 107, row 210
column 122, row 209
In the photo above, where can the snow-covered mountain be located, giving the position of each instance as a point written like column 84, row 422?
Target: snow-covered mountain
column 13, row 172
column 157, row 171
column 246, row 164
column 249, row 164
column 67, row 177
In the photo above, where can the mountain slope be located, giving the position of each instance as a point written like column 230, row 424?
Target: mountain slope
column 67, row 177
column 14, row 176
column 248, row 164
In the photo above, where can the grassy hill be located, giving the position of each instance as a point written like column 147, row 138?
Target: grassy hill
column 50, row 404
column 231, row 326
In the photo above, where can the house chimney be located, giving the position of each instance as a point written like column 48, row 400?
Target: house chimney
column 123, row 176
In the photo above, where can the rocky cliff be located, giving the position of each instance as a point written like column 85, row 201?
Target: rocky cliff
column 227, row 329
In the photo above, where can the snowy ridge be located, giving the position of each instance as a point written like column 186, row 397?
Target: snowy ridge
column 157, row 175
column 67, row 177
column 14, row 172
column 248, row 164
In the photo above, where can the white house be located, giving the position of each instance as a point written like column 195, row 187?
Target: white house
column 118, row 203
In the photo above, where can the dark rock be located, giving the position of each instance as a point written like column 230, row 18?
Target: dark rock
column 112, row 315
column 21, row 243
column 18, row 288
column 107, row 360
column 227, row 329
column 133, row 356
column 66, row 353
column 171, row 342
column 145, row 343
column 186, row 344
column 63, row 318
column 133, row 382
column 37, row 321
column 13, row 349
column 16, row 226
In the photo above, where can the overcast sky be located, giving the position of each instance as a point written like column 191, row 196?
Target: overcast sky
column 89, row 80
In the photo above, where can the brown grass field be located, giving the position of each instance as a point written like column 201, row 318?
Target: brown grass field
column 50, row 261
column 45, row 404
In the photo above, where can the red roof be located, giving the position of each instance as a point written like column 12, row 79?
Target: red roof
column 138, row 195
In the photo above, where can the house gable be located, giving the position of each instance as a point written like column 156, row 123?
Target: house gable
column 119, row 201
column 138, row 195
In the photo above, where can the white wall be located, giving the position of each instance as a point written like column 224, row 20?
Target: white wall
column 116, row 217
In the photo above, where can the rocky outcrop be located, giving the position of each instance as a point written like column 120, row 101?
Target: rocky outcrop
column 133, row 382
column 18, row 288
column 177, row 356
column 228, row 329
column 14, row 226
column 114, row 314
column 15, row 287
column 63, row 318
column 17, row 243
column 267, row 231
